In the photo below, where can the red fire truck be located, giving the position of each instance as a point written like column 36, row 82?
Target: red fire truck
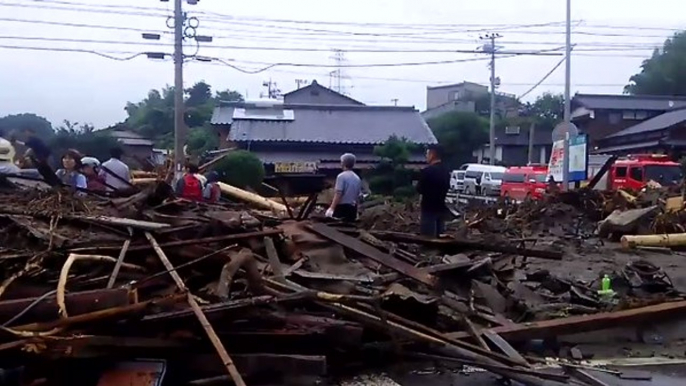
column 524, row 182
column 634, row 171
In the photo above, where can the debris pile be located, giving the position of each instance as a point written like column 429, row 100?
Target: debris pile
column 223, row 292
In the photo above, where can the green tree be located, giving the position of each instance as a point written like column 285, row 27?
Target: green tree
column 198, row 95
column 242, row 169
column 459, row 133
column 390, row 176
column 201, row 140
column 153, row 117
column 17, row 123
column 664, row 73
column 228, row 96
column 83, row 138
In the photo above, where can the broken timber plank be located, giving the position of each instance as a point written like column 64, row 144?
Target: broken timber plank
column 273, row 257
column 586, row 377
column 437, row 268
column 77, row 302
column 447, row 243
column 124, row 222
column 209, row 330
column 120, row 260
column 583, row 323
column 504, row 346
column 374, row 254
column 179, row 243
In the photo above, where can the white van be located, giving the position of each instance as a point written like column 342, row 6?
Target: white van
column 457, row 181
column 483, row 180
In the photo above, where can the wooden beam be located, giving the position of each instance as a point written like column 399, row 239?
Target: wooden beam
column 584, row 323
column 209, row 330
column 374, row 254
column 451, row 243
column 180, row 243
column 77, row 303
column 120, row 260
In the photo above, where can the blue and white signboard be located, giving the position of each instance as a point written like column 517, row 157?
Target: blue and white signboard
column 578, row 159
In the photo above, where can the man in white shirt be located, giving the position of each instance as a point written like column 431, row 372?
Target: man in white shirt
column 7, row 153
column 116, row 172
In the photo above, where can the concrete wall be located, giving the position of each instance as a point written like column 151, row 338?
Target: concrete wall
column 441, row 95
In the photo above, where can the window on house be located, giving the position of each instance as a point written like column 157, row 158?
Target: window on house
column 636, row 174
column 512, row 130
column 621, row 172
column 641, row 115
column 456, row 96
column 628, row 114
column 614, row 118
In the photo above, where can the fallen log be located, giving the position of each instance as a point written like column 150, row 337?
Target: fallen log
column 144, row 180
column 96, row 316
column 45, row 308
column 180, row 243
column 664, row 240
column 459, row 244
column 374, row 254
column 252, row 198
column 584, row 323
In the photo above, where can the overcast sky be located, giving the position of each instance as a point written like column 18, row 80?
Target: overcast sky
column 612, row 37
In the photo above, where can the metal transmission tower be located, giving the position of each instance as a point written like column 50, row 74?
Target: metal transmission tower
column 272, row 91
column 337, row 76
column 491, row 49
column 185, row 29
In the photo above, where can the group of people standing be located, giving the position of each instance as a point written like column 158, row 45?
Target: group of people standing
column 433, row 186
column 88, row 174
column 194, row 186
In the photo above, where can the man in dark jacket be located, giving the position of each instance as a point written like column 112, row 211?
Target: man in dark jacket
column 433, row 185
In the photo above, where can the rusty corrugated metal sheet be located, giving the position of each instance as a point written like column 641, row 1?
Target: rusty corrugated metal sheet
column 138, row 373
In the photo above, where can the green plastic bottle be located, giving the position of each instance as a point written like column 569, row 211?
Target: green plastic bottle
column 606, row 284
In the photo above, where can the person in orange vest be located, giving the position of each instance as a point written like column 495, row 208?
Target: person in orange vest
column 190, row 186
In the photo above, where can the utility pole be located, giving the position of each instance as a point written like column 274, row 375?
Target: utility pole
column 568, row 102
column 532, row 129
column 490, row 48
column 394, row 101
column 184, row 28
column 272, row 91
column 179, row 110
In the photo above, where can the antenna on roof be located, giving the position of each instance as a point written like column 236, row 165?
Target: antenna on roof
column 300, row 82
column 272, row 91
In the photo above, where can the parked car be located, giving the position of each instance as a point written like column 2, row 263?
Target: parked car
column 524, row 182
column 483, row 180
column 457, row 181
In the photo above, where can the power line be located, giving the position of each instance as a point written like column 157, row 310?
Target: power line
column 602, row 45
column 543, row 52
column 298, row 36
column 80, row 9
column 55, row 49
column 78, row 25
column 543, row 79
column 113, row 6
column 437, row 27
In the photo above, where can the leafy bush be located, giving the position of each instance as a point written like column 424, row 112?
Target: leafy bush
column 390, row 177
column 241, row 169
